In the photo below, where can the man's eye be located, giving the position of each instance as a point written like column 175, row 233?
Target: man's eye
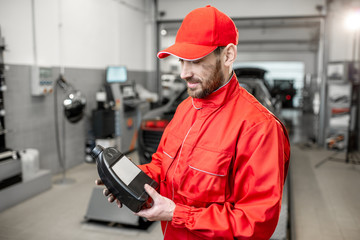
column 196, row 61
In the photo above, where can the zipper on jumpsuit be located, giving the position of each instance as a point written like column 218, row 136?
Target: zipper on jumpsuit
column 173, row 158
column 177, row 163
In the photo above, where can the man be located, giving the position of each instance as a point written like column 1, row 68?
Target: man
column 223, row 159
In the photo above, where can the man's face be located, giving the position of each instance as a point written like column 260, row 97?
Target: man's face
column 202, row 76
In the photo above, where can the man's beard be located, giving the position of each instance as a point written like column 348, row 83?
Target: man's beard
column 215, row 81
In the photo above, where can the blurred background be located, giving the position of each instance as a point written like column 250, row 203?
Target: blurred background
column 78, row 73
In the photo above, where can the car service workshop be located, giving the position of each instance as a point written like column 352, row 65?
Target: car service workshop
column 179, row 119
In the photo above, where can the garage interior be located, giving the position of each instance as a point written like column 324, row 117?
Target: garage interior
column 54, row 52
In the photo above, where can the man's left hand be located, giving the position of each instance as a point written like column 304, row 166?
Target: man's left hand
column 162, row 209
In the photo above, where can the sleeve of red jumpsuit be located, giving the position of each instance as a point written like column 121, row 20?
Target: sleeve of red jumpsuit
column 257, row 179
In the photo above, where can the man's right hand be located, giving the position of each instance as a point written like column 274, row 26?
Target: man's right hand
column 108, row 194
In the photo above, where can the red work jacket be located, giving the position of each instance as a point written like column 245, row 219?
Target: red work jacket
column 223, row 160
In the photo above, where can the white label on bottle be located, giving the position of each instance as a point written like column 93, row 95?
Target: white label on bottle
column 125, row 170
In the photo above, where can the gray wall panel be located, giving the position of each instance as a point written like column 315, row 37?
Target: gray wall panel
column 30, row 120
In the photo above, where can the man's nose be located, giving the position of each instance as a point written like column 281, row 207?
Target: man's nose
column 186, row 70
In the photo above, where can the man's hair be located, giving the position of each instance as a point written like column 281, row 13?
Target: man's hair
column 218, row 50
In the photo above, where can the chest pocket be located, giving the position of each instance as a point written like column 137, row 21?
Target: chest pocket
column 206, row 176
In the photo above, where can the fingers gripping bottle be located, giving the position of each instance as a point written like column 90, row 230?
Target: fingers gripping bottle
column 122, row 177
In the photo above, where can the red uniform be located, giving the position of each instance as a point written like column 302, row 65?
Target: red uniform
column 223, row 160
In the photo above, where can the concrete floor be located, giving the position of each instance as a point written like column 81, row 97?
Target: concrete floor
column 325, row 197
column 325, row 200
column 59, row 214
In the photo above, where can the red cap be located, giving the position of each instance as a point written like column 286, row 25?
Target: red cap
column 201, row 32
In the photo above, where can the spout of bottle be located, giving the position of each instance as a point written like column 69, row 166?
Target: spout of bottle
column 96, row 151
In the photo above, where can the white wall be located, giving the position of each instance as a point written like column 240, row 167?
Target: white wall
column 15, row 23
column 97, row 33
column 79, row 33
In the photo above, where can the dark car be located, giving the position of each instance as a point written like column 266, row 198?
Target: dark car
column 285, row 91
column 153, row 124
column 252, row 73
column 258, row 89
column 155, row 121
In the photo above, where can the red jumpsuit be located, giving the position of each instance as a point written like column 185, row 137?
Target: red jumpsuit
column 223, row 160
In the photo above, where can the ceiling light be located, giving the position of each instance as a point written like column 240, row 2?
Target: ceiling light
column 163, row 32
column 352, row 20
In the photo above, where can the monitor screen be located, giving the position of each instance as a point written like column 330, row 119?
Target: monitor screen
column 116, row 74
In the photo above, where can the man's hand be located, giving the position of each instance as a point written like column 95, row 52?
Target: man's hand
column 108, row 194
column 162, row 209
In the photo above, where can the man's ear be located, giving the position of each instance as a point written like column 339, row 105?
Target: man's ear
column 230, row 53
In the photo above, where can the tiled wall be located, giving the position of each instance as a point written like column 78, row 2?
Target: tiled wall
column 30, row 120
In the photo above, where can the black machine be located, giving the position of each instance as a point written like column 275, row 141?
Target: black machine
column 122, row 177
column 10, row 165
column 118, row 115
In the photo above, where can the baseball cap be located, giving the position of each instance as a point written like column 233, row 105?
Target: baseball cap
column 201, row 32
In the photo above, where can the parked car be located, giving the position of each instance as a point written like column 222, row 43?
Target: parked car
column 252, row 73
column 285, row 91
column 153, row 124
column 155, row 121
column 257, row 88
